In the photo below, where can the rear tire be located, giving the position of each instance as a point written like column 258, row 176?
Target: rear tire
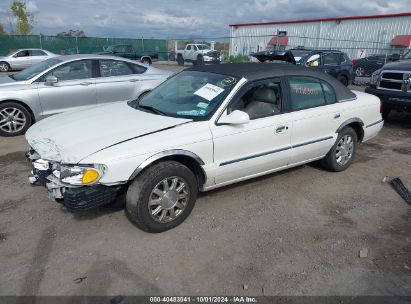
column 180, row 60
column 4, row 66
column 200, row 60
column 162, row 197
column 146, row 61
column 342, row 154
column 343, row 79
column 15, row 119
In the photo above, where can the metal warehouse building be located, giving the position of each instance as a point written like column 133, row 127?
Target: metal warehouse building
column 357, row 35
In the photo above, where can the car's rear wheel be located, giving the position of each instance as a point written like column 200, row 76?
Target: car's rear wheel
column 146, row 61
column 342, row 154
column 162, row 197
column 4, row 66
column 343, row 79
column 15, row 119
column 180, row 59
column 359, row 71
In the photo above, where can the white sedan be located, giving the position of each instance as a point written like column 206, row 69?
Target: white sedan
column 23, row 58
column 206, row 127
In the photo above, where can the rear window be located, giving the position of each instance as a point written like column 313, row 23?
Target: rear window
column 307, row 92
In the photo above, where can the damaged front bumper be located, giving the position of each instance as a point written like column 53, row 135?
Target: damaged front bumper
column 74, row 198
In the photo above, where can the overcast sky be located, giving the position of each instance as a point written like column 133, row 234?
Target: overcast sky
column 184, row 19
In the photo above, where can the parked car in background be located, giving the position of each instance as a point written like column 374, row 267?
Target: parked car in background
column 392, row 84
column 23, row 58
column 368, row 65
column 128, row 51
column 204, row 128
column 334, row 63
column 71, row 82
column 197, row 54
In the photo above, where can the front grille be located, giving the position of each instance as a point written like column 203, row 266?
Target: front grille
column 395, row 81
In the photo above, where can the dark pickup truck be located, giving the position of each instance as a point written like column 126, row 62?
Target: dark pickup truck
column 392, row 84
column 128, row 51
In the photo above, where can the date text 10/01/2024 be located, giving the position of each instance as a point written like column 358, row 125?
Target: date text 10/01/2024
column 203, row 299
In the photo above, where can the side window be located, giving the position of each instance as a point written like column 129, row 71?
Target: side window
column 329, row 93
column 188, row 47
column 306, row 93
column 81, row 69
column 110, row 68
column 120, row 49
column 260, row 101
column 129, row 49
column 37, row 53
column 138, row 69
column 23, row 54
column 331, row 59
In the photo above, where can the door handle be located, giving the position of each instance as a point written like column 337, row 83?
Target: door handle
column 281, row 129
column 86, row 83
column 337, row 115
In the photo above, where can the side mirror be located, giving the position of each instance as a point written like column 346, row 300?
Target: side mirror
column 51, row 80
column 236, row 117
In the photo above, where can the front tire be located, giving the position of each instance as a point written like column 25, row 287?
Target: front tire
column 146, row 61
column 162, row 197
column 15, row 119
column 180, row 60
column 342, row 154
column 359, row 71
column 4, row 66
column 343, row 79
column 200, row 60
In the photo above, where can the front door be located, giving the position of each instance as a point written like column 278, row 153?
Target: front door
column 75, row 88
column 260, row 146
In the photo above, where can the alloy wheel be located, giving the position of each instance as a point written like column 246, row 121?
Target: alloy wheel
column 4, row 67
column 344, row 150
column 168, row 199
column 12, row 120
column 359, row 71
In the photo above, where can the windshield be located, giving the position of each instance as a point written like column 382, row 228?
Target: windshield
column 11, row 53
column 299, row 54
column 36, row 69
column 203, row 47
column 189, row 94
column 407, row 55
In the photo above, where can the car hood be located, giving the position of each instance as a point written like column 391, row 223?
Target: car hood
column 72, row 136
column 403, row 65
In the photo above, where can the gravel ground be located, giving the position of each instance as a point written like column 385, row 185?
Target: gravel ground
column 297, row 232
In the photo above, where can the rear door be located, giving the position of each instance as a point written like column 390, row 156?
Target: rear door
column 315, row 117
column 75, row 88
column 119, row 80
column 37, row 56
column 21, row 60
column 330, row 63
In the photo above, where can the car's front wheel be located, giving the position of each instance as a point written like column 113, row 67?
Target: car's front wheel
column 343, row 79
column 15, row 119
column 359, row 71
column 4, row 66
column 162, row 197
column 342, row 154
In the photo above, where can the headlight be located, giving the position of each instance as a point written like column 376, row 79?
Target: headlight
column 375, row 77
column 79, row 175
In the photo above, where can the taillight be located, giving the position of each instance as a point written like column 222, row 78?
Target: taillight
column 353, row 62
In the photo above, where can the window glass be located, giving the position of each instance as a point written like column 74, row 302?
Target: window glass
column 331, row 59
column 36, row 69
column 120, row 49
column 138, row 69
column 37, row 53
column 129, row 49
column 23, row 54
column 110, row 68
column 306, row 93
column 189, row 48
column 74, row 70
column 329, row 93
column 189, row 94
column 260, row 101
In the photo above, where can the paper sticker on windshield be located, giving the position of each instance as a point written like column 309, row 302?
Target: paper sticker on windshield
column 209, row 91
column 202, row 105
column 228, row 81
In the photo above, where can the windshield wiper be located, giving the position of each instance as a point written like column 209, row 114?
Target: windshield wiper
column 152, row 109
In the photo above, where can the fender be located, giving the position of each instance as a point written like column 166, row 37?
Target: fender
column 349, row 121
column 164, row 154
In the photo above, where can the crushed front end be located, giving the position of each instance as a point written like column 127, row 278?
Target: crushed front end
column 65, row 187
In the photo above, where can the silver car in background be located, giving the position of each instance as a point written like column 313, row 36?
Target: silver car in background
column 69, row 83
column 23, row 58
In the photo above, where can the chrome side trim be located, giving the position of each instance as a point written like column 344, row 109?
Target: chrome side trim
column 163, row 154
column 375, row 123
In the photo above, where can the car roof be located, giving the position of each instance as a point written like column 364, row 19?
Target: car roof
column 259, row 71
column 91, row 56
